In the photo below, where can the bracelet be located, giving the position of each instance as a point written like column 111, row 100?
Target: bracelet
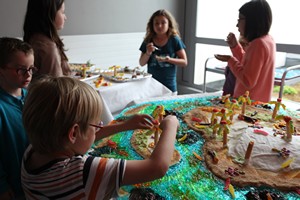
column 148, row 54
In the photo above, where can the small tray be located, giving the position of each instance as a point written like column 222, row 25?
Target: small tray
column 124, row 76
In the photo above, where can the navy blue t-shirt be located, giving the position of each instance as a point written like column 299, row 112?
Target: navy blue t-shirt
column 164, row 72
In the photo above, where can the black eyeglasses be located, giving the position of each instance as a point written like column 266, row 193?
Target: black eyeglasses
column 98, row 127
column 23, row 71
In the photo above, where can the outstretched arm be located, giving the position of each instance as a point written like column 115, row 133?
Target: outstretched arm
column 135, row 122
column 138, row 171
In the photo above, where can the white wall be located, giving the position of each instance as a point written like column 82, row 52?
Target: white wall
column 94, row 16
column 106, row 32
column 105, row 50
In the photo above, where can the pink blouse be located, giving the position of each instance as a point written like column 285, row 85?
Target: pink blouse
column 254, row 68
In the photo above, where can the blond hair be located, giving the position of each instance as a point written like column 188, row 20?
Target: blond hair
column 53, row 105
column 173, row 26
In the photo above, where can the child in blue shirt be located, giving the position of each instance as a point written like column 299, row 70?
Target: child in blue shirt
column 162, row 49
column 16, row 68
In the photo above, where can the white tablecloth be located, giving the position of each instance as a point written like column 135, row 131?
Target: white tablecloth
column 117, row 96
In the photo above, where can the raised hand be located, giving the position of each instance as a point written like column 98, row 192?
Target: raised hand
column 231, row 40
column 150, row 48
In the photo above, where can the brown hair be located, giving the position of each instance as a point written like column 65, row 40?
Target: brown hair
column 8, row 48
column 173, row 26
column 40, row 18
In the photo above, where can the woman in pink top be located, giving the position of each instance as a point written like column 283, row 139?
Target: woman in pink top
column 253, row 67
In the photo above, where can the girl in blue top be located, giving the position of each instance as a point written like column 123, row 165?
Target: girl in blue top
column 162, row 49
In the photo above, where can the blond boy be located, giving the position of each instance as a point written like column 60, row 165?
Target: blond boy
column 61, row 117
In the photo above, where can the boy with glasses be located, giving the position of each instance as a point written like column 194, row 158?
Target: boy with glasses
column 16, row 68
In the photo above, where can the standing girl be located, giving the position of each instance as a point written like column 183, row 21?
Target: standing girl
column 254, row 67
column 42, row 21
column 162, row 49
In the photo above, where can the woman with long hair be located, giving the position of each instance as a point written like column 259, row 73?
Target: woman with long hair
column 43, row 20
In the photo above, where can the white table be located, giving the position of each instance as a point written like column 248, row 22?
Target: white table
column 118, row 96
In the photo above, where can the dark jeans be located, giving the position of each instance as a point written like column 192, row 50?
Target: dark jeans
column 228, row 87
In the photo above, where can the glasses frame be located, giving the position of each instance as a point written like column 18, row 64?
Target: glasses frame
column 22, row 71
column 98, row 127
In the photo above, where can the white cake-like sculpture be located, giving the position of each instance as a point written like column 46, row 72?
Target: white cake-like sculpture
column 253, row 146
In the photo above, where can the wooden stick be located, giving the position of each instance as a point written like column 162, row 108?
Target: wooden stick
column 225, row 138
column 249, row 151
column 289, row 132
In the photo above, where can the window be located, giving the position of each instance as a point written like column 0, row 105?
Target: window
column 219, row 16
column 222, row 19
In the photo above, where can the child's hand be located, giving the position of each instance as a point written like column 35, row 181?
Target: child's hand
column 150, row 48
column 141, row 121
column 162, row 59
column 231, row 40
column 170, row 120
column 223, row 58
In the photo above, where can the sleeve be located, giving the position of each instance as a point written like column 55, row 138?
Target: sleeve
column 238, row 52
column 103, row 177
column 143, row 47
column 249, row 69
column 178, row 44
